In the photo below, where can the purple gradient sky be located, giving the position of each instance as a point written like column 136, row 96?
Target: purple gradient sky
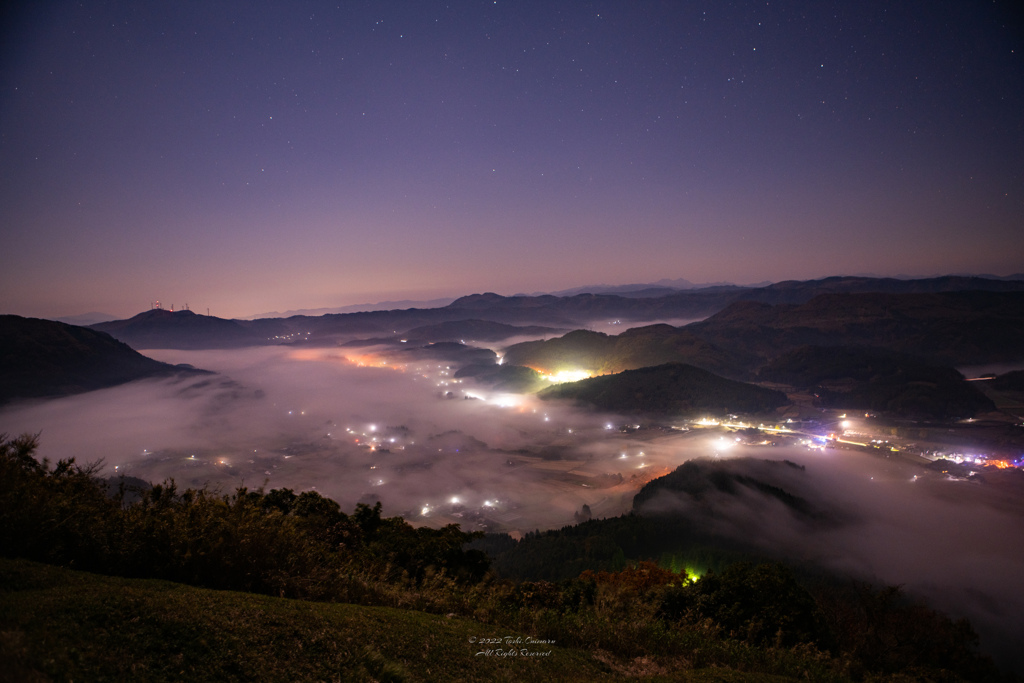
column 258, row 156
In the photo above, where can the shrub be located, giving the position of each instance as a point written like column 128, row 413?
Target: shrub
column 762, row 605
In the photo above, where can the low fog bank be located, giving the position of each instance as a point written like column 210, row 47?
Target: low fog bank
column 359, row 426
column 956, row 543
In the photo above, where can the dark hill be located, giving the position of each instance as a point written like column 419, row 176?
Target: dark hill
column 511, row 378
column 799, row 291
column 577, row 350
column 963, row 327
column 476, row 330
column 673, row 388
column 452, row 352
column 1011, row 381
column 40, row 358
column 698, row 484
column 880, row 381
column 157, row 328
column 704, row 514
column 946, row 328
column 635, row 348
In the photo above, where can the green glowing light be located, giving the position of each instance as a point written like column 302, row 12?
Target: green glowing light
column 679, row 565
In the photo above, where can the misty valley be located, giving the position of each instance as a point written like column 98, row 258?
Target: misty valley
column 821, row 424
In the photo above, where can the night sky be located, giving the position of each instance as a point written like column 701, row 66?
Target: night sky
column 260, row 156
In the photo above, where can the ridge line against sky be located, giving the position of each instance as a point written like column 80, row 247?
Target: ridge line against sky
column 268, row 156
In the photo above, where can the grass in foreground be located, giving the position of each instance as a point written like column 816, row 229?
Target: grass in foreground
column 58, row 624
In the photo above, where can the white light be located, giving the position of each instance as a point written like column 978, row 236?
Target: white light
column 567, row 376
column 455, row 500
column 507, row 401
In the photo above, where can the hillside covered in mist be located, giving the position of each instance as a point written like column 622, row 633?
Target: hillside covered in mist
column 42, row 358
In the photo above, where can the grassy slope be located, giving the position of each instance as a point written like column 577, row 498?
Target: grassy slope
column 57, row 624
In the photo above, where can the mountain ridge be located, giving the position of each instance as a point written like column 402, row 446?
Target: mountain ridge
column 187, row 330
column 44, row 358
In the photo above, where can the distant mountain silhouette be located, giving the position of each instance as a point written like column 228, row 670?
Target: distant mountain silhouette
column 186, row 330
column 476, row 330
column 951, row 328
column 158, row 328
column 42, row 358
column 659, row 288
column 86, row 319
column 357, row 308
column 947, row 328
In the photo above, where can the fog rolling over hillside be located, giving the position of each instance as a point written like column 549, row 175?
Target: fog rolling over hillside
column 433, row 429
column 957, row 543
column 44, row 358
column 306, row 417
column 359, row 426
